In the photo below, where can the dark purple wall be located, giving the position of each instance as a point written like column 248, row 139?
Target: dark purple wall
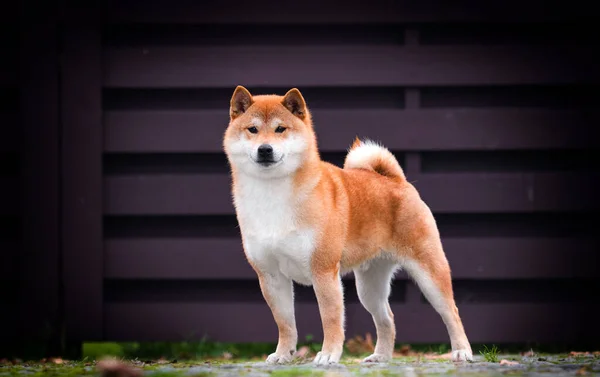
column 116, row 221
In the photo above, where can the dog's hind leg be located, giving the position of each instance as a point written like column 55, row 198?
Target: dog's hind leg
column 373, row 287
column 429, row 268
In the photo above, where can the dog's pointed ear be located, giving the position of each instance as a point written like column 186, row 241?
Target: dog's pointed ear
column 294, row 102
column 240, row 102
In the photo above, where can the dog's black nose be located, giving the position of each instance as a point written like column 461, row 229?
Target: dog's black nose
column 265, row 152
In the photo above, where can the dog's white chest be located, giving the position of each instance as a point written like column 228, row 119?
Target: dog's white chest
column 272, row 238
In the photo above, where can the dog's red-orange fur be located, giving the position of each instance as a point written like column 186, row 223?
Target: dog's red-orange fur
column 361, row 214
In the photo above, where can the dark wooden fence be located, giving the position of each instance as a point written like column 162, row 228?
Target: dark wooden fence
column 111, row 138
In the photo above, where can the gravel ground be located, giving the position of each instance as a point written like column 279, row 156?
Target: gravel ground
column 522, row 366
column 537, row 365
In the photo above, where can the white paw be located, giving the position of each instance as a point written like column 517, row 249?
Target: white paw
column 323, row 358
column 276, row 358
column 462, row 355
column 376, row 358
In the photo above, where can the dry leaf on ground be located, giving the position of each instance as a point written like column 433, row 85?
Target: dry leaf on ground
column 405, row 351
column 508, row 362
column 358, row 344
column 302, row 352
column 583, row 371
column 585, row 354
column 116, row 368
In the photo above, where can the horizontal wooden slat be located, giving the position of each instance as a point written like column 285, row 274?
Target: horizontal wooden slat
column 300, row 66
column 508, row 192
column 446, row 129
column 253, row 322
column 9, row 201
column 470, row 258
column 185, row 259
column 207, row 194
column 168, row 194
column 314, row 11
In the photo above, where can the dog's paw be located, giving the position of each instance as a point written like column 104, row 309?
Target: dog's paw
column 276, row 358
column 462, row 355
column 324, row 358
column 376, row 358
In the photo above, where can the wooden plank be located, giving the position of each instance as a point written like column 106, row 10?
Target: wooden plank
column 508, row 192
column 336, row 12
column 168, row 194
column 470, row 258
column 82, row 181
column 38, row 124
column 415, row 323
column 209, row 194
column 445, row 129
column 188, row 67
column 186, row 259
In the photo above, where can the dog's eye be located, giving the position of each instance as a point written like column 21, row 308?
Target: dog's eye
column 253, row 130
column 279, row 129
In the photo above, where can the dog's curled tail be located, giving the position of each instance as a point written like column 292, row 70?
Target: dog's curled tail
column 370, row 155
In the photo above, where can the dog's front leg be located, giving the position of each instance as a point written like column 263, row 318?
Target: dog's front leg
column 278, row 292
column 329, row 292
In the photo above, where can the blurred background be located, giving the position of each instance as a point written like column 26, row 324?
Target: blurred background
column 116, row 222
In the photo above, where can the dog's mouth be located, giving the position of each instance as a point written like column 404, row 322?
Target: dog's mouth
column 267, row 163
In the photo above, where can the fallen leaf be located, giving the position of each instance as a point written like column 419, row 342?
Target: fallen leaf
column 58, row 360
column 116, row 368
column 358, row 344
column 404, row 350
column 369, row 341
column 584, row 354
column 508, row 362
column 302, row 352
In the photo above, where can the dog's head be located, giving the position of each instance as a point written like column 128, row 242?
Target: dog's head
column 269, row 136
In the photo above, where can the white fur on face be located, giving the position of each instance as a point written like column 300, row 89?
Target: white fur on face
column 290, row 152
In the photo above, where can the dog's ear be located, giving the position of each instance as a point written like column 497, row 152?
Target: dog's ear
column 294, row 102
column 240, row 102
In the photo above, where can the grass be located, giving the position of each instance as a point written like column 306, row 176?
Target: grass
column 206, row 349
column 586, row 363
column 296, row 372
column 490, row 354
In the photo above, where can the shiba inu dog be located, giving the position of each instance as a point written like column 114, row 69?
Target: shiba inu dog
column 305, row 220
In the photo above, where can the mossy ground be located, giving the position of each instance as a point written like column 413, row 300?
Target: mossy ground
column 243, row 360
